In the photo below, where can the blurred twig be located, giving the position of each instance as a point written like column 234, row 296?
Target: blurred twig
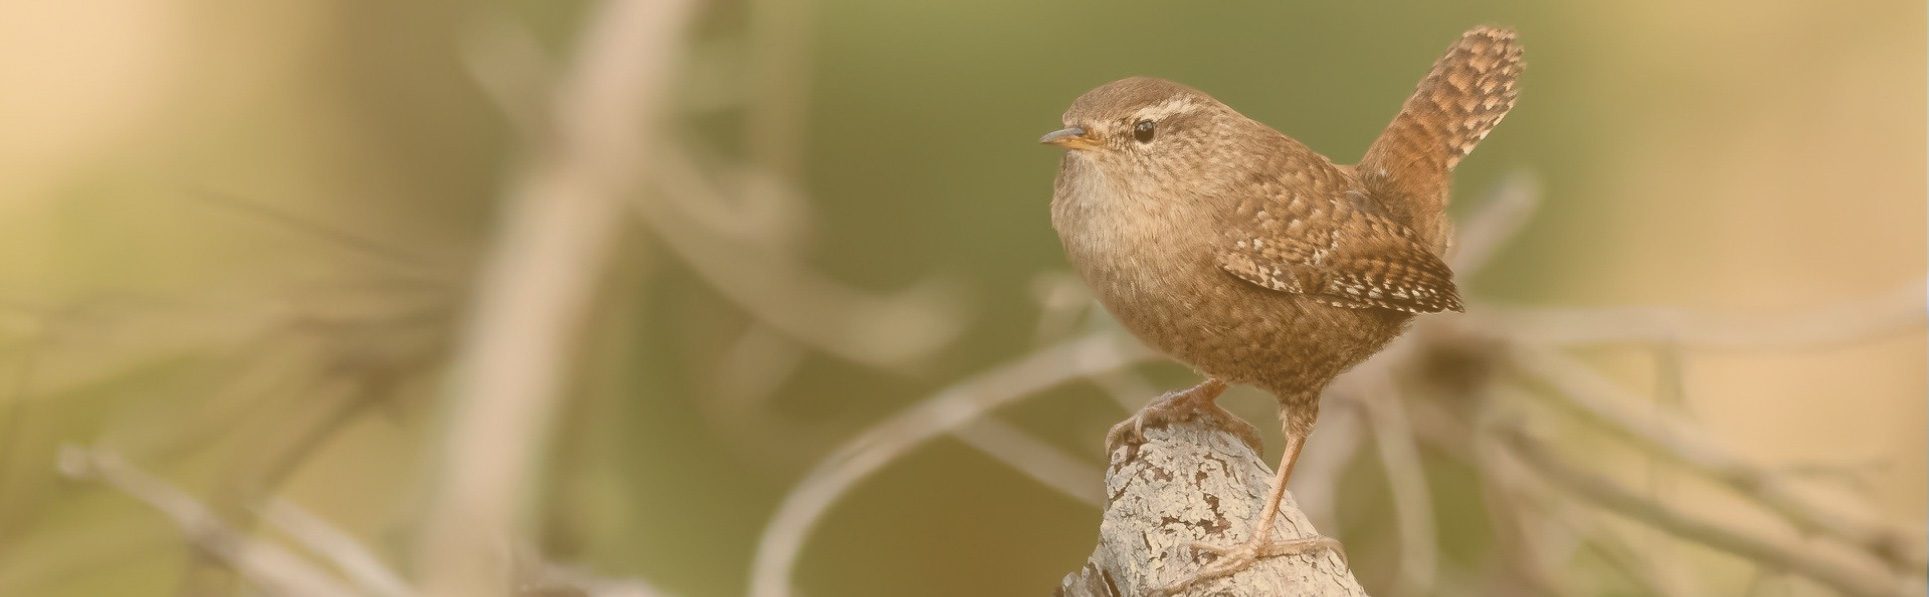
column 1660, row 574
column 337, row 237
column 1498, row 220
column 557, row 231
column 340, row 550
column 1579, row 390
column 1063, row 303
column 780, row 77
column 557, row 579
column 1887, row 314
column 1412, row 500
column 730, row 224
column 266, row 565
column 1041, row 461
column 265, row 350
column 745, row 203
column 509, row 64
column 783, row 537
column 881, row 331
column 1516, row 512
column 1864, row 578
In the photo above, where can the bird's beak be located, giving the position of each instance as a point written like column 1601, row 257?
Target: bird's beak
column 1069, row 138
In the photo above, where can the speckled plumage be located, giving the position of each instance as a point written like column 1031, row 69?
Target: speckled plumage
column 1468, row 91
column 1237, row 250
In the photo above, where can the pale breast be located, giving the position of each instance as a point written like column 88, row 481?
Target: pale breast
column 1152, row 264
column 1130, row 247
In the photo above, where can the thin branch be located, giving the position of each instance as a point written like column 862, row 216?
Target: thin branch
column 888, row 332
column 1580, row 390
column 508, row 63
column 557, row 233
column 1863, row 578
column 783, row 537
column 1412, row 500
column 780, row 76
column 753, row 368
column 1043, row 462
column 745, row 204
column 1659, row 574
column 1062, row 302
column 1884, row 315
column 1522, row 527
column 339, row 237
column 591, row 586
column 550, row 578
column 338, row 548
column 1496, row 222
column 274, row 569
column 1533, row 515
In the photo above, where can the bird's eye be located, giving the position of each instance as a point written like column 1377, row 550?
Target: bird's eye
column 1142, row 131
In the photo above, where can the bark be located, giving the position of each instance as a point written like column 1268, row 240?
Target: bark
column 1192, row 481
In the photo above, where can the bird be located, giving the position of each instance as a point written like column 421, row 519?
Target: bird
column 1235, row 249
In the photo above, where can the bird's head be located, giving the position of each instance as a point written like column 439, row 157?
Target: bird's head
column 1144, row 128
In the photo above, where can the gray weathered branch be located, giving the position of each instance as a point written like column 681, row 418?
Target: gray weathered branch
column 1187, row 482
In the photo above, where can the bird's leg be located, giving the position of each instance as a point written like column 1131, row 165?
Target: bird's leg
column 1262, row 544
column 1199, row 401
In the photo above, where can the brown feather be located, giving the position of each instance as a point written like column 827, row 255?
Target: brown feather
column 1468, row 91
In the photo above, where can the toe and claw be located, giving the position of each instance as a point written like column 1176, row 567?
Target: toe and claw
column 1228, row 561
column 1197, row 402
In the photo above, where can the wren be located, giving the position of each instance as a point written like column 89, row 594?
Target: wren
column 1241, row 252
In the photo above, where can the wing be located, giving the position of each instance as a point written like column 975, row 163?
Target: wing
column 1343, row 253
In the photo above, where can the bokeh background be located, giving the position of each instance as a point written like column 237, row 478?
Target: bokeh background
column 239, row 246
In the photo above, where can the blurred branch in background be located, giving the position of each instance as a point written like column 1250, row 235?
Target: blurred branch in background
column 780, row 74
column 297, row 368
column 346, row 567
column 336, row 548
column 1582, row 392
column 883, row 332
column 1863, row 578
column 334, row 352
column 557, row 232
column 1393, row 438
column 739, row 226
column 1858, row 320
column 862, row 456
column 1030, row 455
column 736, row 224
column 265, row 565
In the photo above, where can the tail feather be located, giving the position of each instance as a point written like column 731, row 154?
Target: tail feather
column 1468, row 91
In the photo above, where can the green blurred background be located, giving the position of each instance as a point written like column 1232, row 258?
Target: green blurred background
column 182, row 175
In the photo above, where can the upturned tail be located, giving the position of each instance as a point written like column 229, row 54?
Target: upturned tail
column 1468, row 91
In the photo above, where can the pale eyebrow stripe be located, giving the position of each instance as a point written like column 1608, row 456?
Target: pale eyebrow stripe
column 1166, row 108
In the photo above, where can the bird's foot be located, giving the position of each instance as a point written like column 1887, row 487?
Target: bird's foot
column 1231, row 560
column 1184, row 405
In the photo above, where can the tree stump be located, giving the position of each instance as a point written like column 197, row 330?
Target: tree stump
column 1192, row 481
